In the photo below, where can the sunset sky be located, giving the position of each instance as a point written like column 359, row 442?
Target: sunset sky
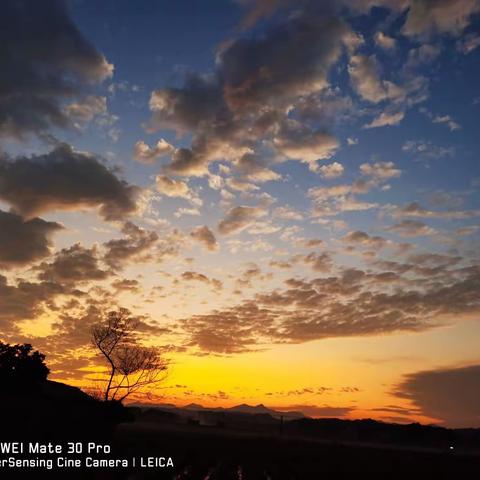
column 285, row 192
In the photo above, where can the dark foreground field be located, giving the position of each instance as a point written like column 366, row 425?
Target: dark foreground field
column 215, row 454
column 209, row 453
column 238, row 447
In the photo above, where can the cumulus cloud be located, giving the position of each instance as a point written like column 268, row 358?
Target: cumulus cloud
column 386, row 119
column 449, row 395
column 172, row 188
column 187, row 162
column 412, row 228
column 424, row 17
column 342, row 204
column 319, row 262
column 469, row 43
column 45, row 61
column 465, row 231
column 423, row 55
column 357, row 237
column 327, row 107
column 253, row 168
column 73, row 265
column 85, row 109
column 241, row 62
column 24, row 241
column 414, row 209
column 332, row 170
column 244, row 102
column 137, row 243
column 64, row 179
column 148, row 155
column 187, row 211
column 384, row 41
column 447, row 120
column 427, row 150
column 329, row 201
column 23, row 300
column 205, row 237
column 393, row 99
column 240, row 186
column 239, row 218
column 298, row 142
column 365, row 77
column 126, row 285
column 215, row 182
column 428, row 17
column 287, row 213
column 258, row 9
column 190, row 276
column 363, row 6
column 380, row 170
column 186, row 108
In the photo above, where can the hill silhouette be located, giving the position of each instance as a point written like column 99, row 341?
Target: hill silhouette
column 242, row 408
column 261, row 419
column 249, row 442
column 221, row 444
column 53, row 410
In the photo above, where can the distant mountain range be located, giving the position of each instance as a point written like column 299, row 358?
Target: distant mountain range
column 242, row 408
column 259, row 419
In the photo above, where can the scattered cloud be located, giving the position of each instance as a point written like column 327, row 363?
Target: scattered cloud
column 358, row 237
column 24, row 241
column 332, row 170
column 384, row 41
column 148, row 155
column 187, row 211
column 340, row 306
column 23, row 300
column 469, row 43
column 287, row 213
column 136, row 243
column 173, row 188
column 45, row 60
column 239, row 218
column 447, row 119
column 386, row 119
column 299, row 143
column 190, row 276
column 414, row 209
column 65, row 179
column 205, row 237
column 426, row 17
column 380, row 170
column 427, row 150
column 366, row 80
column 412, row 228
column 72, row 265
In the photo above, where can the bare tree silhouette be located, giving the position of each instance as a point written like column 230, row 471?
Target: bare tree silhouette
column 132, row 366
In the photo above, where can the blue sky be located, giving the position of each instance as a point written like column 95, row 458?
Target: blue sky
column 169, row 42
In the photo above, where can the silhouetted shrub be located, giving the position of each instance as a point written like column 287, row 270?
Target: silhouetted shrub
column 21, row 367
